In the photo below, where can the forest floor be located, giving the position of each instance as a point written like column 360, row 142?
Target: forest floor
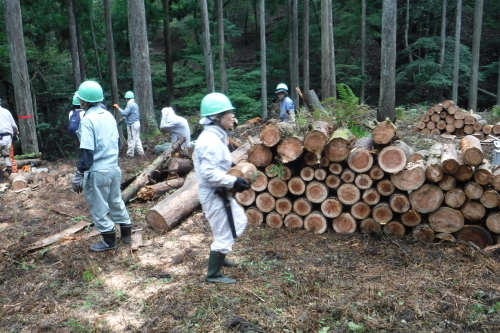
column 288, row 280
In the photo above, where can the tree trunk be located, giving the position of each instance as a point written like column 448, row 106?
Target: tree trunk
column 382, row 213
column 169, row 63
column 274, row 220
column 424, row 233
column 344, row 224
column 455, row 198
column 427, row 198
column 360, row 210
column 363, row 51
column 348, row 194
column 290, row 149
column 387, row 99
column 476, row 43
column 294, row 51
column 302, row 206
column 96, row 52
column 75, row 59
column 294, row 221
column 151, row 192
column 254, row 215
column 411, row 218
column 339, row 147
column 476, row 235
column 313, row 100
column 371, row 196
column 222, row 52
column 305, row 45
column 442, row 45
column 20, row 76
column 456, row 58
column 207, row 47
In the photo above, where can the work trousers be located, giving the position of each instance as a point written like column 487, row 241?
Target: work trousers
column 5, row 150
column 134, row 139
column 103, row 195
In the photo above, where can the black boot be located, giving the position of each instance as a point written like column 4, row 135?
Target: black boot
column 125, row 233
column 108, row 242
column 2, row 177
column 9, row 170
column 215, row 274
column 228, row 263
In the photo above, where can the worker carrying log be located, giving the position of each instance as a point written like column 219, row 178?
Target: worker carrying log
column 287, row 108
column 98, row 174
column 175, row 125
column 212, row 160
column 8, row 133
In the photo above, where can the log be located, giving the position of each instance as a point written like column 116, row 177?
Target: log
column 423, row 233
column 338, row 148
column 136, row 242
column 496, row 129
column 477, row 126
column 311, row 159
column 363, row 181
column 430, row 111
column 296, row 186
column 270, row 134
column 317, row 136
column 427, row 198
column 394, row 228
column 475, row 234
column 459, row 132
column 392, row 159
column 473, row 211
column 347, row 176
column 385, row 187
column 478, row 134
column 307, row 173
column 260, row 183
column 294, row 221
column 446, row 219
column 19, row 182
column 315, row 222
column 468, row 129
column 449, row 159
column 447, row 183
column 473, row 190
column 436, row 117
column 52, row 176
column 435, row 131
column 369, row 225
column 344, row 224
column 495, row 181
column 464, row 172
column 441, row 125
column 324, row 162
column 144, row 177
column 162, row 217
column 431, row 124
column 254, row 215
column 332, row 181
column 287, row 173
column 284, row 206
column 444, row 236
column 348, row 194
column 472, row 153
column 455, row 198
column 320, row 174
column 316, row 192
column 384, row 132
column 246, row 198
column 452, row 109
column 360, row 210
column 260, row 155
column 421, row 125
column 483, row 174
column 39, row 177
column 450, row 119
column 271, row 170
column 30, row 162
column 458, row 123
column 274, row 220
column 55, row 237
column 493, row 222
column 411, row 218
column 335, row 168
column 487, row 129
column 360, row 158
column 313, row 101
column 460, row 114
column 426, row 118
column 469, row 120
column 437, row 107
column 302, row 206
column 277, row 187
column 180, row 166
column 331, row 207
column 490, row 199
column 150, row 192
column 411, row 177
column 376, row 173
column 382, row 213
column 244, row 170
column 399, row 202
column 289, row 149
column 371, row 196
column 265, row 202
column 425, row 131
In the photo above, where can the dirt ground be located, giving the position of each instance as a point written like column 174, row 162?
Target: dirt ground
column 288, row 280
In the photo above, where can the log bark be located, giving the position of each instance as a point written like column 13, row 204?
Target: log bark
column 335, row 168
column 254, row 215
column 472, row 152
column 423, row 233
column 455, row 198
column 307, row 173
column 151, row 192
column 475, row 234
column 260, row 155
column 382, row 213
column 449, row 159
column 284, row 206
column 444, row 236
column 490, row 199
column 411, row 218
column 473, row 190
column 483, row 174
column 411, row 177
column 464, row 172
column 363, row 181
column 289, row 149
column 394, row 228
column 260, row 183
column 302, row 206
column 296, row 186
column 392, row 159
column 317, row 137
column 360, row 210
column 277, row 187
column 473, row 211
column 347, row 176
column 446, row 219
column 371, row 196
column 427, row 198
column 447, row 183
column 384, row 132
column 270, row 134
column 180, row 166
column 369, row 225
column 331, row 207
column 493, row 222
column 316, row 192
column 399, row 202
column 338, row 148
column 376, row 173
column 315, row 222
column 274, row 220
column 348, row 194
column 19, row 182
column 385, row 187
column 265, row 202
column 344, row 224
column 294, row 221
column 246, row 198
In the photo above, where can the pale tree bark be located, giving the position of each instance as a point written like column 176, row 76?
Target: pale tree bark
column 456, row 57
column 476, row 43
column 407, row 28
column 363, row 51
column 141, row 70
column 263, row 58
column 110, row 45
column 326, row 79
column 305, row 45
column 207, row 47
column 73, row 40
column 222, row 47
column 83, row 73
column 387, row 100
column 169, row 63
column 294, row 70
column 443, row 46
column 20, row 76
column 333, row 73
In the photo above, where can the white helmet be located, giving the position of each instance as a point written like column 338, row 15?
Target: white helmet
column 281, row 88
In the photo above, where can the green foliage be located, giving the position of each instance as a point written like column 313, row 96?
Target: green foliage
column 345, row 109
column 496, row 110
column 277, row 170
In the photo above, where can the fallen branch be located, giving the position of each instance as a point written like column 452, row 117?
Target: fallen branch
column 54, row 238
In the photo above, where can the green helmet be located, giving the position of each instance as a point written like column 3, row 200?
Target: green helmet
column 215, row 103
column 90, row 91
column 75, row 100
column 129, row 94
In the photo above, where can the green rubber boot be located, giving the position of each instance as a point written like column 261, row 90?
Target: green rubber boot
column 228, row 263
column 215, row 274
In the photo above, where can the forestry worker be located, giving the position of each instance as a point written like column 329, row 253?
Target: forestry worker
column 98, row 174
column 8, row 132
column 212, row 160
column 176, row 125
column 287, row 108
column 131, row 115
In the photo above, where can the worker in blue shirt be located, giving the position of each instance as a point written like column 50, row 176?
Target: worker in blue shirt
column 287, row 108
column 131, row 116
column 98, row 174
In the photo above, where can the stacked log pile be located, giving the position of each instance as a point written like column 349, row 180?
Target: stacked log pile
column 328, row 179
column 448, row 118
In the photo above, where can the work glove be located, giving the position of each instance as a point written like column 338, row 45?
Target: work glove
column 240, row 184
column 121, row 121
column 77, row 182
column 15, row 138
column 116, row 106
